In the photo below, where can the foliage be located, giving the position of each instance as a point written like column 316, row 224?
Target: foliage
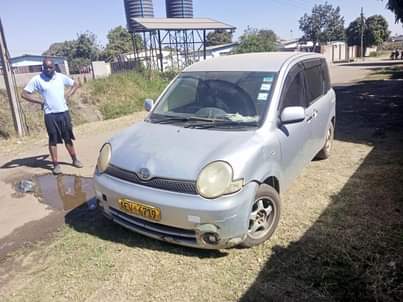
column 120, row 42
column 124, row 93
column 396, row 6
column 323, row 24
column 218, row 37
column 254, row 40
column 78, row 52
column 375, row 31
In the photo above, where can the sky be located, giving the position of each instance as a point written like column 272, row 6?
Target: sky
column 31, row 26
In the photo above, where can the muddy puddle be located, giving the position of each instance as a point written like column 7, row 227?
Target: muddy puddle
column 63, row 192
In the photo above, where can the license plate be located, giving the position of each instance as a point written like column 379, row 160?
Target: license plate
column 140, row 209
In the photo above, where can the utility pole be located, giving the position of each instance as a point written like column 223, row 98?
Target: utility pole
column 362, row 33
column 10, row 84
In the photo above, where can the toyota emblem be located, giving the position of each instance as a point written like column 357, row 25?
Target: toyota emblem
column 144, row 174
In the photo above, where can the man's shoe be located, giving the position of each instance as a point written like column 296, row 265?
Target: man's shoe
column 77, row 163
column 57, row 170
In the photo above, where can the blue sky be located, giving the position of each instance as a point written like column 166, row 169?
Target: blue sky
column 31, row 26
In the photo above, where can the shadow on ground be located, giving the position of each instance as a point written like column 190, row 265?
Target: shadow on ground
column 354, row 251
column 38, row 161
column 380, row 63
column 94, row 223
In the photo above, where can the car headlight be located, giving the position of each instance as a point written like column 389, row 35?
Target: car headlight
column 216, row 180
column 104, row 158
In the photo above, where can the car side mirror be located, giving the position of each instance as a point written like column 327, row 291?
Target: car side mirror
column 293, row 114
column 148, row 104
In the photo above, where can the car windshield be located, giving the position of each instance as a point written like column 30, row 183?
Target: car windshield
column 238, row 98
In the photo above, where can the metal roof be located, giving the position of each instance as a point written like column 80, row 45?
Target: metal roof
column 180, row 24
column 264, row 61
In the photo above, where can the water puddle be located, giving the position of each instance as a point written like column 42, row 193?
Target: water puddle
column 63, row 192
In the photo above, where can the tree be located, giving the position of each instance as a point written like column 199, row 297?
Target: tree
column 78, row 52
column 323, row 24
column 218, row 37
column 396, row 6
column 254, row 40
column 63, row 49
column 120, row 42
column 375, row 31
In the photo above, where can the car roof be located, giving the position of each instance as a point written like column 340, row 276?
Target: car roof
column 263, row 61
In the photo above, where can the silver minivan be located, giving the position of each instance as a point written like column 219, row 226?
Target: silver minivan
column 222, row 143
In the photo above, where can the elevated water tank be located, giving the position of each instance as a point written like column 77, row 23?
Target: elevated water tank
column 137, row 9
column 179, row 8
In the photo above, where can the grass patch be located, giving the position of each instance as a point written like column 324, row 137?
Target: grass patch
column 124, row 93
column 108, row 98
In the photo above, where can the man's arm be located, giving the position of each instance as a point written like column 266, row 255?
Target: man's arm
column 71, row 90
column 30, row 97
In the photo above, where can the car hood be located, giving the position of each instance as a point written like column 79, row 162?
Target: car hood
column 175, row 152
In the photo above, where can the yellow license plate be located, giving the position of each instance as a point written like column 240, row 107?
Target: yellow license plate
column 140, row 209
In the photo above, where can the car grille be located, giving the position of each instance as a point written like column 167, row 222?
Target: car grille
column 180, row 186
column 153, row 229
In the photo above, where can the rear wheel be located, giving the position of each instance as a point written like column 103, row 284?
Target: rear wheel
column 324, row 153
column 264, row 216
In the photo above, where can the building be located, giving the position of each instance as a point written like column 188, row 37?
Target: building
column 218, row 50
column 33, row 64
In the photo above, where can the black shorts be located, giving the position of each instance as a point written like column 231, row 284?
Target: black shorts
column 59, row 128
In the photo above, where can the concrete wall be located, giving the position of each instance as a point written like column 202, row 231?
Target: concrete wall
column 100, row 69
column 338, row 52
column 21, row 79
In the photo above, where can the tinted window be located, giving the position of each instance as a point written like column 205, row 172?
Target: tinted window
column 326, row 77
column 294, row 92
column 314, row 82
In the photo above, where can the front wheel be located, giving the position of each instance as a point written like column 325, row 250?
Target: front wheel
column 324, row 153
column 263, row 217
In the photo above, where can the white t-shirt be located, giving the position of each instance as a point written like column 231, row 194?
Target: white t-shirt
column 51, row 90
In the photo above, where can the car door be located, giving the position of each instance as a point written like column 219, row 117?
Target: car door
column 294, row 138
column 318, row 99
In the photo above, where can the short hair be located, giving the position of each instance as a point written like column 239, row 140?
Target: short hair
column 47, row 59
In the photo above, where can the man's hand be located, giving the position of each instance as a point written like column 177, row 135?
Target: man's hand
column 30, row 97
column 71, row 91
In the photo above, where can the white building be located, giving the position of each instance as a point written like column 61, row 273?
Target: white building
column 33, row 63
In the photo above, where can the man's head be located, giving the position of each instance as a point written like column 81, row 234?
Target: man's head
column 48, row 67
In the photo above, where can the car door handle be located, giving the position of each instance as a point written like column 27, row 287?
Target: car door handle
column 311, row 117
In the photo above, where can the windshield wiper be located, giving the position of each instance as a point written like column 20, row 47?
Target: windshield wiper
column 221, row 123
column 169, row 120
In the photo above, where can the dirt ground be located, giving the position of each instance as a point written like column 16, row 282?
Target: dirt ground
column 340, row 236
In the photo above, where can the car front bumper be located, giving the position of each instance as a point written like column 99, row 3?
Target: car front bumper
column 186, row 219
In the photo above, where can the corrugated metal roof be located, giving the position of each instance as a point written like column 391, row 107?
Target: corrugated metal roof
column 181, row 23
column 264, row 61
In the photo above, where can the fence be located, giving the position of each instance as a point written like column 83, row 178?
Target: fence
column 125, row 66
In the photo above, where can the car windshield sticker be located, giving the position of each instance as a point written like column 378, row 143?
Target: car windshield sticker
column 268, row 79
column 262, row 96
column 265, row 87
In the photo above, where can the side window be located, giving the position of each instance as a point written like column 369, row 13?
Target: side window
column 314, row 83
column 326, row 77
column 293, row 93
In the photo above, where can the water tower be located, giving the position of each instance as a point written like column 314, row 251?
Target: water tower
column 179, row 8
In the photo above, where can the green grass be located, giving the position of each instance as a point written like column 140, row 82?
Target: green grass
column 108, row 98
column 124, row 93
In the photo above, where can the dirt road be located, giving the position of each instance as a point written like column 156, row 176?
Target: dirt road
column 339, row 241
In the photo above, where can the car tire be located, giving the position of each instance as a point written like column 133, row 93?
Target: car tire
column 324, row 153
column 264, row 216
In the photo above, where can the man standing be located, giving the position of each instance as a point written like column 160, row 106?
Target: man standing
column 50, row 85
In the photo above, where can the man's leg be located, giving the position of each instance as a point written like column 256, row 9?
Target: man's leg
column 72, row 151
column 53, row 155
